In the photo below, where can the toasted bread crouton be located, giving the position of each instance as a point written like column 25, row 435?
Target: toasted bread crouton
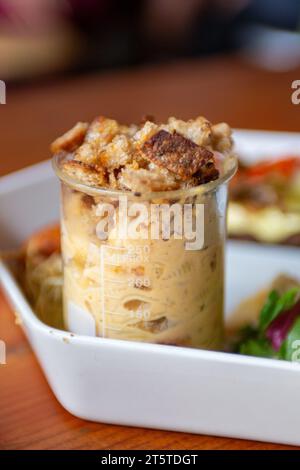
column 142, row 181
column 117, row 153
column 72, row 139
column 102, row 130
column 85, row 173
column 198, row 130
column 177, row 154
column 221, row 136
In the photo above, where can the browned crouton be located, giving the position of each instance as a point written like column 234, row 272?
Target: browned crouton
column 177, row 154
column 85, row 173
column 71, row 139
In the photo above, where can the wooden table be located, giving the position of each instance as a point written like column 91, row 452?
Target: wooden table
column 221, row 89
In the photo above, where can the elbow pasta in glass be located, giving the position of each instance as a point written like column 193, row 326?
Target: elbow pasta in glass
column 143, row 243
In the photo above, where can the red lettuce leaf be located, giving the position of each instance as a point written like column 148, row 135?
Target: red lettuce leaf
column 278, row 330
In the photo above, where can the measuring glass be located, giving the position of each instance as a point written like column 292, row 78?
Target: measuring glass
column 137, row 278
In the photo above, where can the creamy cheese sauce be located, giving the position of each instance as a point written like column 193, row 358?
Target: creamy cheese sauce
column 163, row 293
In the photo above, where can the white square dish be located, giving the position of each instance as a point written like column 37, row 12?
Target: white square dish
column 156, row 386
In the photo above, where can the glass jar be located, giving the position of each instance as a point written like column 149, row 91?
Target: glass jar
column 145, row 267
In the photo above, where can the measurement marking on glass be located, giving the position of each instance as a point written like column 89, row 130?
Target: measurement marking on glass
column 111, row 297
column 116, row 313
column 109, row 259
column 114, row 281
column 104, row 261
column 113, row 328
column 113, row 264
column 102, row 288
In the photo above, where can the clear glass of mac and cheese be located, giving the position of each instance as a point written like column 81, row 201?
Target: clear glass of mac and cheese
column 143, row 218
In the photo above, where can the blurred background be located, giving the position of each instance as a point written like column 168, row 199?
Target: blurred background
column 48, row 38
column 70, row 60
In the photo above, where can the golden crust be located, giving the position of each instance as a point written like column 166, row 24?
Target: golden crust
column 85, row 173
column 69, row 141
column 221, row 136
column 182, row 153
column 177, row 154
column 141, row 181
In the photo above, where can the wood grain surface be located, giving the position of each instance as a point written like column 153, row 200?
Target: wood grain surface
column 221, row 89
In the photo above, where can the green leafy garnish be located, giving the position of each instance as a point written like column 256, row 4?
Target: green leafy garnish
column 244, row 334
column 257, row 347
column 262, row 340
column 275, row 305
column 267, row 312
